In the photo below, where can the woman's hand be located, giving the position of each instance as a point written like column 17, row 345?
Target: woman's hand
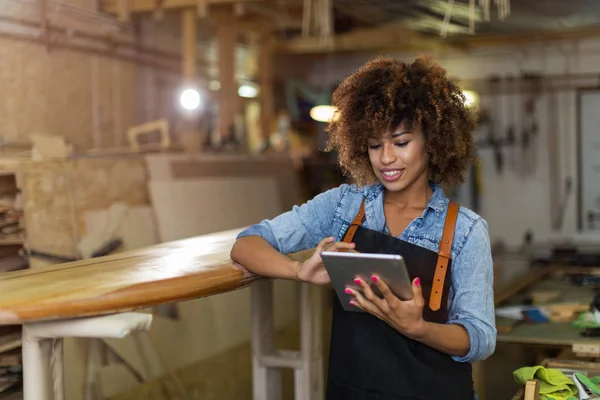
column 313, row 270
column 404, row 316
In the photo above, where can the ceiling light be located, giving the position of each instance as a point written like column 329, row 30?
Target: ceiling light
column 471, row 98
column 323, row 113
column 190, row 99
column 247, row 91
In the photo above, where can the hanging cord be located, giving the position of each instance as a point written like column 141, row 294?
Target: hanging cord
column 447, row 17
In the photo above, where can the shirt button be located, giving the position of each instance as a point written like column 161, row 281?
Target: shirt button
column 412, row 228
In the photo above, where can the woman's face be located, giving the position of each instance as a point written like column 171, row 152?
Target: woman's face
column 399, row 158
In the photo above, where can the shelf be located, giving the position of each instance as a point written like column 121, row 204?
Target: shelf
column 10, row 338
column 11, row 240
column 10, row 342
column 6, row 385
column 10, row 354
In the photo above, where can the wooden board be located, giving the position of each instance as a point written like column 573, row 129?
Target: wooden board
column 187, row 208
column 178, row 167
column 57, row 193
column 168, row 272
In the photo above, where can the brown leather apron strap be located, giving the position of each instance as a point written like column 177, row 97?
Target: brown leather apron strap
column 358, row 220
column 444, row 255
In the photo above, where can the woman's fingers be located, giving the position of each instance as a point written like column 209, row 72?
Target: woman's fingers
column 324, row 242
column 364, row 304
column 367, row 293
column 338, row 245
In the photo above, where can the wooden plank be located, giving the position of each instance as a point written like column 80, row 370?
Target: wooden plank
column 164, row 273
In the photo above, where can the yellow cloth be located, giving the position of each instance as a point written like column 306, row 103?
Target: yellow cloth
column 554, row 385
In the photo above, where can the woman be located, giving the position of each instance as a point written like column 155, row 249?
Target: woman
column 403, row 134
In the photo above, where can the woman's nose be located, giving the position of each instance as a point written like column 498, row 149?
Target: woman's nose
column 387, row 154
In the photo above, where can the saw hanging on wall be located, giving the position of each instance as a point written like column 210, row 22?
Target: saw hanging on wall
column 530, row 127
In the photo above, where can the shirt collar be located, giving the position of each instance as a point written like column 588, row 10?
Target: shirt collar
column 438, row 201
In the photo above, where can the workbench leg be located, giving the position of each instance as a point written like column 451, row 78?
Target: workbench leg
column 43, row 348
column 266, row 381
column 267, row 361
column 309, row 378
column 479, row 379
column 36, row 367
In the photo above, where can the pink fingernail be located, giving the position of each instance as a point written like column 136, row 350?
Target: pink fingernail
column 357, row 281
column 352, row 303
column 418, row 282
column 348, row 291
column 374, row 278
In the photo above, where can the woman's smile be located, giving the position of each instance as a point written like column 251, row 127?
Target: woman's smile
column 391, row 175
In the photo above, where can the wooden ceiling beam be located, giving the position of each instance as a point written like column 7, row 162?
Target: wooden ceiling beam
column 141, row 6
column 394, row 36
column 524, row 38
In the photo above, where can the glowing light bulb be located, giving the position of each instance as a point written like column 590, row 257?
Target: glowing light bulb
column 190, row 99
column 323, row 113
column 471, row 98
column 247, row 91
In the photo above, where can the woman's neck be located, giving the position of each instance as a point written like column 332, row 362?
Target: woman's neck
column 416, row 195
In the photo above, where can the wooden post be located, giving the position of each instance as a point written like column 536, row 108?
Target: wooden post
column 191, row 137
column 188, row 43
column 202, row 7
column 123, row 11
column 265, row 70
column 227, row 35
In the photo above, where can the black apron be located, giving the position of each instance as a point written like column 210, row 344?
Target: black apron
column 370, row 360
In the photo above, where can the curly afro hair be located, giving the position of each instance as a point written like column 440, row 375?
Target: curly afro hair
column 384, row 93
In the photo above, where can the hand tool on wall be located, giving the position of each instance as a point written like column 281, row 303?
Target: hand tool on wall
column 524, row 140
column 494, row 140
column 511, row 134
column 563, row 203
column 530, row 124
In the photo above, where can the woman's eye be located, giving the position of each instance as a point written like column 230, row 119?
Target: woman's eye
column 401, row 144
column 374, row 146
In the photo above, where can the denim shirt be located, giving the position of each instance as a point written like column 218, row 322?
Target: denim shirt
column 471, row 296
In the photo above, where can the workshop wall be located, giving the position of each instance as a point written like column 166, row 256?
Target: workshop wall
column 51, row 89
column 513, row 201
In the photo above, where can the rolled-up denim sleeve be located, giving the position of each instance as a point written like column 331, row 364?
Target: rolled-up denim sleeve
column 472, row 302
column 303, row 226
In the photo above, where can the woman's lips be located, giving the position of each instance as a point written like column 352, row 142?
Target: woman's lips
column 391, row 175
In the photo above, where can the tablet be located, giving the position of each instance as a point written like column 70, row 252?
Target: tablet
column 344, row 267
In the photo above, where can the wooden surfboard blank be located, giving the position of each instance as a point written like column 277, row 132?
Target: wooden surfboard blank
column 168, row 272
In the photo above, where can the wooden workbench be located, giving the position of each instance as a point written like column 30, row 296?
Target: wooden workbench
column 550, row 333
column 169, row 272
column 66, row 299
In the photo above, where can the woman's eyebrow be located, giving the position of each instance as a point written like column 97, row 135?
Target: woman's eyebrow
column 398, row 134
